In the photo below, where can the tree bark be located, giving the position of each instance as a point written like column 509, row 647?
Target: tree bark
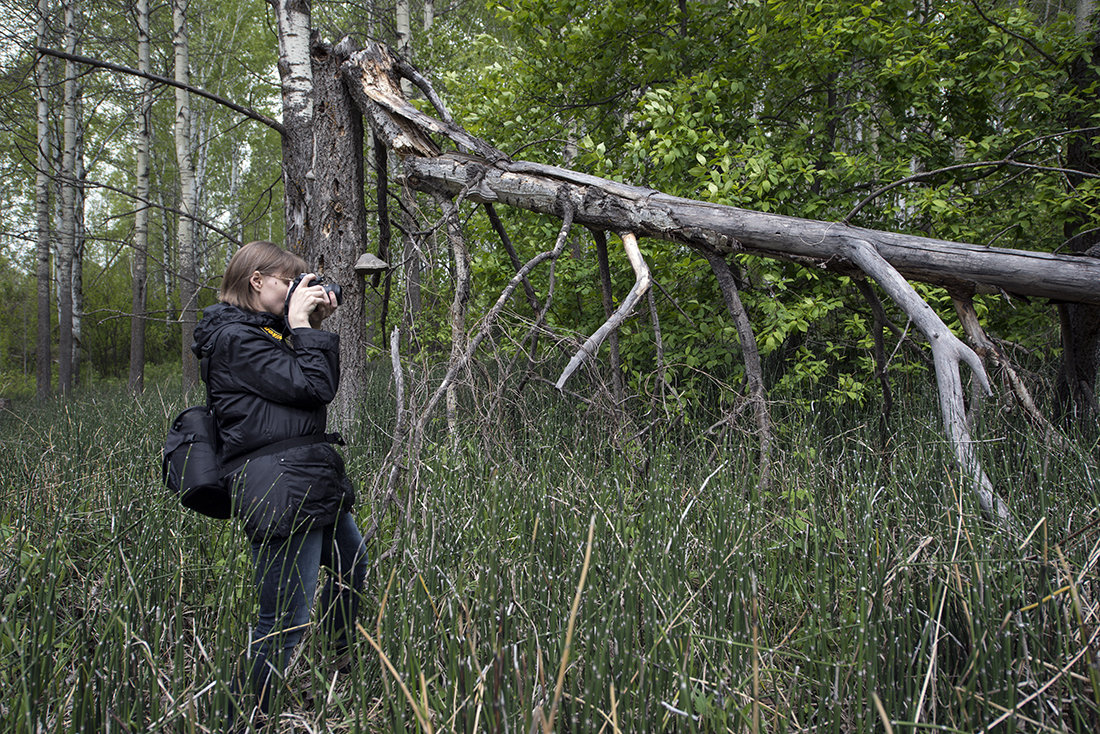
column 403, row 25
column 1076, row 384
column 605, row 204
column 188, row 273
column 296, row 75
column 412, row 264
column 139, row 283
column 340, row 218
column 43, row 361
column 385, row 232
column 79, row 235
column 68, row 204
column 754, row 373
column 460, row 256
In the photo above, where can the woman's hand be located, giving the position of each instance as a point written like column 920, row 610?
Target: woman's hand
column 309, row 304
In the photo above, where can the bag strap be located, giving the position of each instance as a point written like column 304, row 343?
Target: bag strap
column 286, row 443
column 204, row 364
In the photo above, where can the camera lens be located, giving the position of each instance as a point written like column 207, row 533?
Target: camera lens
column 335, row 288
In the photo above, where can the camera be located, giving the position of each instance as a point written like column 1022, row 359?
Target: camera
column 318, row 280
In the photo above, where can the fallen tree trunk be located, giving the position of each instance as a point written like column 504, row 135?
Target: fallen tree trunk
column 607, row 204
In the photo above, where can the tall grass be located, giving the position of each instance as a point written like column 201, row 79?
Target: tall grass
column 861, row 591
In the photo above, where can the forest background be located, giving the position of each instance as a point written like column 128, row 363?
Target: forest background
column 796, row 108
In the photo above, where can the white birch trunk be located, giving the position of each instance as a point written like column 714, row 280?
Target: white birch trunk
column 43, row 361
column 138, row 299
column 185, row 228
column 295, row 69
column 200, row 135
column 68, row 202
column 296, row 75
column 78, row 232
column 1086, row 10
column 404, row 40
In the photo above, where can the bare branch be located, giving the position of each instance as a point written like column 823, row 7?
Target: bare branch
column 641, row 285
column 947, row 353
column 246, row 111
column 754, row 373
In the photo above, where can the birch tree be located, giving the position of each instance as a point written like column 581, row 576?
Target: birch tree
column 141, row 217
column 79, row 233
column 188, row 273
column 296, row 74
column 43, row 362
column 68, row 226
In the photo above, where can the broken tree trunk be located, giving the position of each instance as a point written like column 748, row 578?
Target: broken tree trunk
column 338, row 219
column 482, row 174
column 605, row 204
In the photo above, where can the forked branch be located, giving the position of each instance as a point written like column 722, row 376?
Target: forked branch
column 947, row 353
column 641, row 285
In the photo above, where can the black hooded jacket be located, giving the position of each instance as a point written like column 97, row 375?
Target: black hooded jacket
column 268, row 386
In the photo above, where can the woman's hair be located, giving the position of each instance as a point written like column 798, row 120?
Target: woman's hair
column 265, row 257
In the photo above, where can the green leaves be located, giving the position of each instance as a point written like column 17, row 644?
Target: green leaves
column 796, row 108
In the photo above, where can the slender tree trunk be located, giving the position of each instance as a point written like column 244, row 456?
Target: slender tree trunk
column 411, row 264
column 235, row 211
column 1076, row 384
column 169, row 257
column 403, row 20
column 608, row 310
column 200, row 125
column 68, row 203
column 138, row 299
column 296, row 75
column 43, row 362
column 460, row 256
column 188, row 277
column 754, row 374
column 381, row 172
column 506, row 242
column 79, row 236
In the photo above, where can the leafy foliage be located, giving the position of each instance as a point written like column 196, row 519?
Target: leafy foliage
column 796, row 108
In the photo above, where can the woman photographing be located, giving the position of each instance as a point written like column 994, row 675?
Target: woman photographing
column 271, row 373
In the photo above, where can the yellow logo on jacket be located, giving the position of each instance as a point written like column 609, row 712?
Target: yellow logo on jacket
column 272, row 333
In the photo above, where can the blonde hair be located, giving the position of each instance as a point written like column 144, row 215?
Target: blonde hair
column 263, row 256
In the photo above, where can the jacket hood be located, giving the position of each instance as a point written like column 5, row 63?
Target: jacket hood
column 222, row 314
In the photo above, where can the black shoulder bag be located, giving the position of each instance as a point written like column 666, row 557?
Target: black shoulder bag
column 189, row 464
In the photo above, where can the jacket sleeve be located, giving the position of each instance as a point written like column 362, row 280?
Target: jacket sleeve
column 305, row 376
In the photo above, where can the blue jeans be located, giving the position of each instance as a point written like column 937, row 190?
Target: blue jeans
column 286, row 576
